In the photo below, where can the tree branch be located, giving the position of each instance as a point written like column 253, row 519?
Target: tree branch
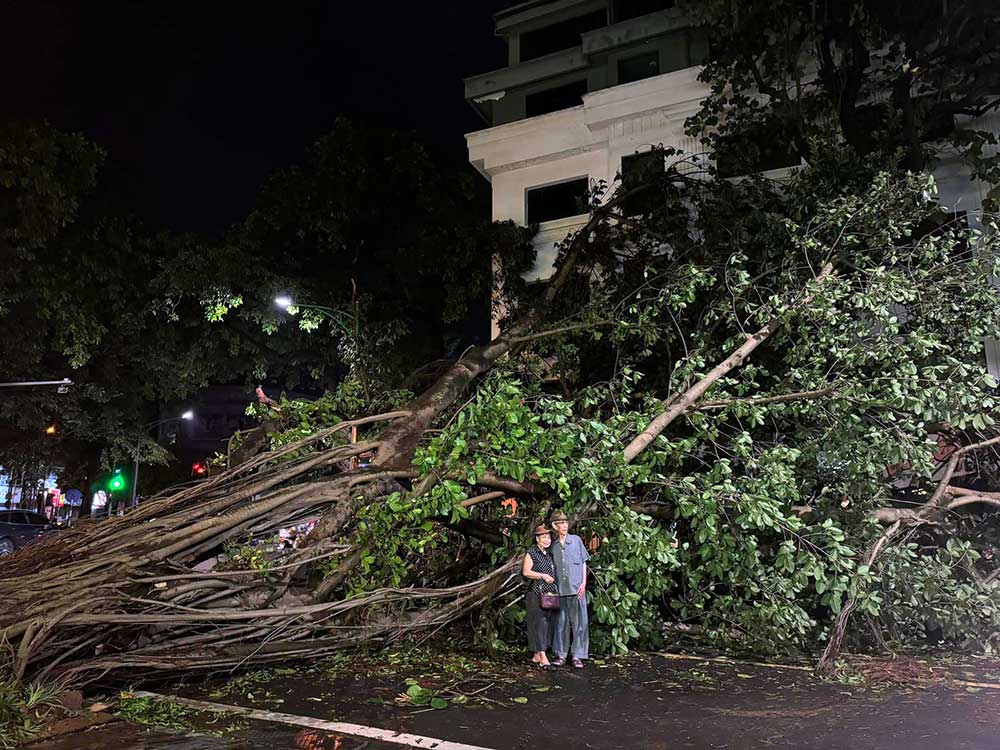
column 559, row 331
column 799, row 396
column 687, row 399
column 513, row 486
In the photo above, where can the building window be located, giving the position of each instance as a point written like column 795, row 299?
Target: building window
column 626, row 9
column 557, row 201
column 560, row 36
column 767, row 151
column 554, row 99
column 638, row 169
column 638, row 67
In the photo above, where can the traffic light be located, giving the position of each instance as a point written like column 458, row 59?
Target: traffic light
column 199, row 469
column 117, row 481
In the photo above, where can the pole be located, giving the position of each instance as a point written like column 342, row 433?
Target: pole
column 135, row 474
column 138, row 444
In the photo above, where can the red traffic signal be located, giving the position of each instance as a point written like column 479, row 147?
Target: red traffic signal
column 199, row 469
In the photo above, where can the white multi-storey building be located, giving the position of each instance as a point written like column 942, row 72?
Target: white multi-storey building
column 590, row 83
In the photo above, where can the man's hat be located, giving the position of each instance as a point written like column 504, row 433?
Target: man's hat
column 558, row 516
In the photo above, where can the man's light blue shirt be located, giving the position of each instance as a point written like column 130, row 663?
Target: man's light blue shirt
column 569, row 562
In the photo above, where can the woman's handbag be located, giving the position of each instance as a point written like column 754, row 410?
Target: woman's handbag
column 548, row 601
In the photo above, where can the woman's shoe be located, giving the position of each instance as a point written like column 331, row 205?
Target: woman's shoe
column 558, row 662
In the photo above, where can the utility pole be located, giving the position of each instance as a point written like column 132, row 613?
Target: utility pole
column 187, row 416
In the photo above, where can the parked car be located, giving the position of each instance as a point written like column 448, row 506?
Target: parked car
column 20, row 527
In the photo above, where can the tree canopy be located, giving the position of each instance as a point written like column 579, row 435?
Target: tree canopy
column 138, row 317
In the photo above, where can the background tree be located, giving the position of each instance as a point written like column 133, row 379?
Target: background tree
column 907, row 82
column 377, row 228
column 138, row 318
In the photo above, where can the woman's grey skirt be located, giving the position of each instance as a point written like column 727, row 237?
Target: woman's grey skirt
column 541, row 623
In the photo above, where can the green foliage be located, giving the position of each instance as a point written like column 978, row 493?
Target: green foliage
column 416, row 695
column 399, row 534
column 24, row 708
column 139, row 317
column 373, row 225
column 291, row 420
column 154, row 712
column 936, row 599
column 253, row 685
column 745, row 519
column 247, row 554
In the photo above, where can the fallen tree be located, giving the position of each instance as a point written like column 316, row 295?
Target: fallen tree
column 132, row 579
column 727, row 382
column 791, row 324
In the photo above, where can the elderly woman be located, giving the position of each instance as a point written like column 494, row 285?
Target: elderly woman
column 543, row 593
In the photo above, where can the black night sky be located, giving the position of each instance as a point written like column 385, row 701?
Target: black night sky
column 196, row 103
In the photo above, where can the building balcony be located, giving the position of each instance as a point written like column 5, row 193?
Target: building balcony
column 622, row 113
column 595, row 63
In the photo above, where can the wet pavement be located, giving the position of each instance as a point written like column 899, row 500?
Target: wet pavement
column 255, row 736
column 636, row 702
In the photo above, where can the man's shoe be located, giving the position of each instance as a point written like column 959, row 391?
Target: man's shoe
column 558, row 662
column 577, row 664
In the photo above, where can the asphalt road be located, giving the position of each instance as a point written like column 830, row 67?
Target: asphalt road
column 639, row 702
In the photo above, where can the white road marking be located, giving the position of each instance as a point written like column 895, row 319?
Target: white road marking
column 358, row 730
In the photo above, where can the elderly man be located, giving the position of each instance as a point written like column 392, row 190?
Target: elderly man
column 570, row 556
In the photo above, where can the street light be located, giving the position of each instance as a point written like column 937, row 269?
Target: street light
column 187, row 416
column 63, row 385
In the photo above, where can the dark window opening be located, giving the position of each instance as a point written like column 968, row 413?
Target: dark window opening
column 626, row 9
column 935, row 125
column 638, row 67
column 768, row 151
column 560, row 36
column 639, row 169
column 554, row 99
column 558, row 201
column 870, row 119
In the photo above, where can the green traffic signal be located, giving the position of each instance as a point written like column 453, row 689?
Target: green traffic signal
column 117, row 482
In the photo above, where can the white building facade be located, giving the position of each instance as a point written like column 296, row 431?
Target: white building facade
column 590, row 83
column 563, row 120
